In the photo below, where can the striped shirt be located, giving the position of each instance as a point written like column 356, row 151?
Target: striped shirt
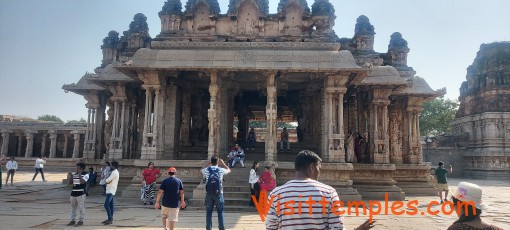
column 314, row 215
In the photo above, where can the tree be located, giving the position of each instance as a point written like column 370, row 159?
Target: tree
column 82, row 120
column 437, row 115
column 48, row 117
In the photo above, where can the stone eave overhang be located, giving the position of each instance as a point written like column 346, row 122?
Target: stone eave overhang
column 383, row 77
column 83, row 86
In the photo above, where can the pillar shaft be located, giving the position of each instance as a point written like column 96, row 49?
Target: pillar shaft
column 76, row 148
column 5, row 143
column 271, row 118
column 43, row 144
column 213, row 116
column 30, row 145
column 53, row 144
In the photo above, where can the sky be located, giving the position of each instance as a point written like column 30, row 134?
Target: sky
column 45, row 44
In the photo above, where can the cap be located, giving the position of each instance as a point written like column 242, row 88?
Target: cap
column 172, row 170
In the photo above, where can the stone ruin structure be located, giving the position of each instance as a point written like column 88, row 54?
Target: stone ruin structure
column 484, row 113
column 27, row 139
column 173, row 98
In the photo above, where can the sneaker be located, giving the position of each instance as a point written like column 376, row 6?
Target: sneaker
column 104, row 221
column 80, row 223
column 108, row 222
column 71, row 223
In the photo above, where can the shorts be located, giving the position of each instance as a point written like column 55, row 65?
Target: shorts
column 442, row 187
column 172, row 214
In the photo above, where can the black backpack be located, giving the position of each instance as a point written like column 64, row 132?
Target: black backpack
column 213, row 185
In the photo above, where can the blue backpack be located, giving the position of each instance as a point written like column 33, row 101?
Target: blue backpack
column 213, row 185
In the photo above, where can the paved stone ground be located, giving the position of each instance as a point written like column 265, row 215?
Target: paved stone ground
column 45, row 205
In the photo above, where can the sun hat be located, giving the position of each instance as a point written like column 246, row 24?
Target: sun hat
column 172, row 170
column 469, row 192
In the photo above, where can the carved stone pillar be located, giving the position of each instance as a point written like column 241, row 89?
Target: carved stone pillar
column 379, row 126
column 212, row 114
column 43, row 144
column 395, row 135
column 30, row 144
column 64, row 152
column 119, row 99
column 185, row 119
column 152, row 143
column 415, row 156
column 5, row 142
column 271, row 118
column 334, row 117
column 53, row 143
column 76, row 147
column 20, row 142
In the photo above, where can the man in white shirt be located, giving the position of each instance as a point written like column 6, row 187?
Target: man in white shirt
column 39, row 165
column 12, row 166
column 111, row 188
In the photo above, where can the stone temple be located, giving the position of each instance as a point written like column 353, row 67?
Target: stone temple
column 174, row 99
column 486, row 125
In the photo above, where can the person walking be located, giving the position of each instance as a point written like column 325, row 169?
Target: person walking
column 79, row 181
column 314, row 195
column 442, row 182
column 106, row 170
column 284, row 139
column 214, row 189
column 250, row 141
column 149, row 177
column 39, row 165
column 469, row 197
column 11, row 166
column 111, row 188
column 254, row 186
column 172, row 190
column 239, row 156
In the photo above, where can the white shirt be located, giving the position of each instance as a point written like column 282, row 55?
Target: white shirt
column 112, row 182
column 39, row 163
column 12, row 165
column 253, row 177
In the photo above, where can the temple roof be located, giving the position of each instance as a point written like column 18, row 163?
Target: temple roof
column 249, row 56
column 383, row 75
column 82, row 85
column 417, row 86
column 110, row 74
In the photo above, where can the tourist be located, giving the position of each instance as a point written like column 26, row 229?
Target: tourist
column 2, row 161
column 304, row 187
column 111, row 187
column 239, row 156
column 92, row 181
column 267, row 181
column 250, row 141
column 214, row 189
column 149, row 177
column 254, row 178
column 359, row 148
column 284, row 139
column 105, row 173
column 231, row 155
column 39, row 165
column 12, row 166
column 79, row 181
column 442, row 183
column 173, row 192
column 469, row 213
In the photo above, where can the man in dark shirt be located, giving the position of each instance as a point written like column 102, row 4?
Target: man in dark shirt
column 92, row 180
column 442, row 182
column 79, row 181
column 172, row 189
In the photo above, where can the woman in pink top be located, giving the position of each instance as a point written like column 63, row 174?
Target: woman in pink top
column 149, row 176
column 267, row 180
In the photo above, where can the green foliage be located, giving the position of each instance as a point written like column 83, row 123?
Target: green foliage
column 82, row 120
column 48, row 117
column 437, row 115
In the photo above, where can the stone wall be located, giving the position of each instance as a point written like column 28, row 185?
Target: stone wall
column 448, row 155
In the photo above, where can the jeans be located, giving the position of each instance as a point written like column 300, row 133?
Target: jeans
column 284, row 142
column 238, row 159
column 11, row 174
column 37, row 170
column 210, row 201
column 108, row 206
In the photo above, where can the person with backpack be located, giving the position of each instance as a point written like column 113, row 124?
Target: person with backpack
column 213, row 172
